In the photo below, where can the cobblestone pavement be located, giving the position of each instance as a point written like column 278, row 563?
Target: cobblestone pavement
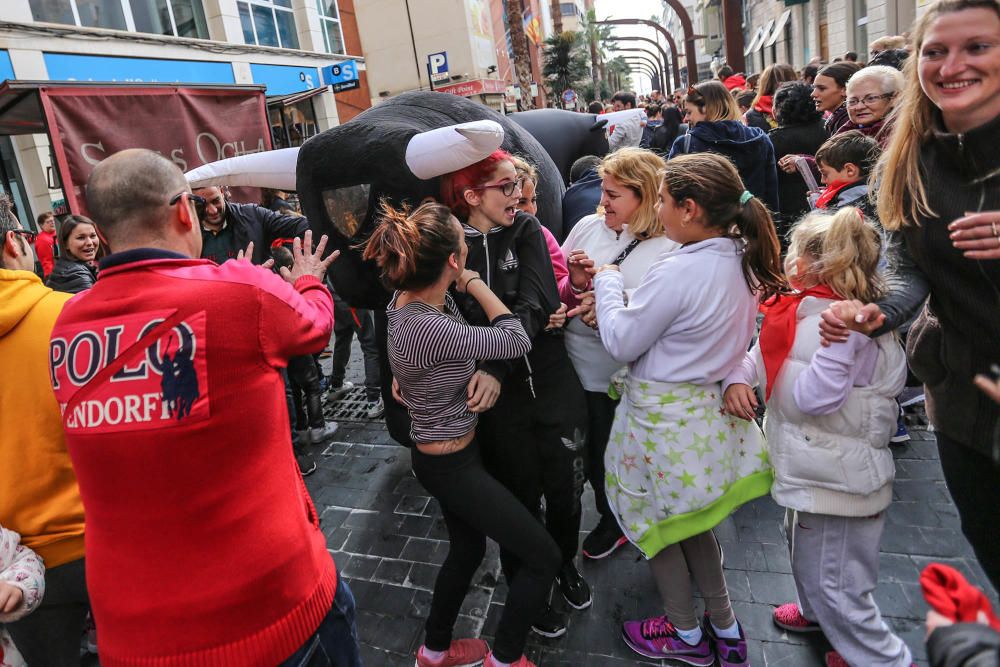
column 389, row 540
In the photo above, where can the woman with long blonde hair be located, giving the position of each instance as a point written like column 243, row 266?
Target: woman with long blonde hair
column 939, row 193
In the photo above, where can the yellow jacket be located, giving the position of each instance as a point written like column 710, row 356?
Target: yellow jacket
column 39, row 497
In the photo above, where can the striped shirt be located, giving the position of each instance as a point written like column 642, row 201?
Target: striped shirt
column 433, row 355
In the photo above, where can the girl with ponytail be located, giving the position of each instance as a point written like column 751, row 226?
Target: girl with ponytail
column 433, row 353
column 675, row 467
column 830, row 414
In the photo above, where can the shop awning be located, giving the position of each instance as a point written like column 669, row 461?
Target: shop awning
column 764, row 35
column 752, row 44
column 779, row 29
column 295, row 98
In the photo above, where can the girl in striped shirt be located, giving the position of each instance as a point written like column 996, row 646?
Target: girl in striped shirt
column 433, row 353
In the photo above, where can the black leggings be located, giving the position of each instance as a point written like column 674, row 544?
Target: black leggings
column 973, row 480
column 303, row 372
column 600, row 419
column 476, row 506
column 534, row 444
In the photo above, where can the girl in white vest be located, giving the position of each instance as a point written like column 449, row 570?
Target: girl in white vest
column 830, row 414
column 676, row 466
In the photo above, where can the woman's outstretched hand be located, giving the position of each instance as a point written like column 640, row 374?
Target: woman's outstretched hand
column 977, row 235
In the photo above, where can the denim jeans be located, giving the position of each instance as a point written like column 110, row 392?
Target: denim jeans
column 335, row 643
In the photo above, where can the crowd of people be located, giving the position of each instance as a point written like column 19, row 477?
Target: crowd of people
column 730, row 307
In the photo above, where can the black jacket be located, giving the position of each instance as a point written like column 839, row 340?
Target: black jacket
column 70, row 275
column 665, row 135
column 794, row 140
column 514, row 261
column 251, row 222
column 748, row 148
column 757, row 119
column 964, row 645
column 581, row 200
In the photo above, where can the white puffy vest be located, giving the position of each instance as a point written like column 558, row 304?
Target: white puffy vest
column 838, row 463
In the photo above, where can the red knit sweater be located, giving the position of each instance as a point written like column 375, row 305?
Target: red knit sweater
column 202, row 545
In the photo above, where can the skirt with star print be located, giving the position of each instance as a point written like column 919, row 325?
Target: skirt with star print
column 676, row 465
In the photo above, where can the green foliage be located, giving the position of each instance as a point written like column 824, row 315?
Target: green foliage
column 564, row 63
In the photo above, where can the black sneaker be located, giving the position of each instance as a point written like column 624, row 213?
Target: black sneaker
column 603, row 540
column 307, row 464
column 573, row 587
column 549, row 624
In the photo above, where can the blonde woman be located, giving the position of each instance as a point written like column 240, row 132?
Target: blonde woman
column 714, row 118
column 940, row 192
column 627, row 233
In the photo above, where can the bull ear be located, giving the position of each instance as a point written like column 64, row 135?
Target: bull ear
column 448, row 149
column 599, row 125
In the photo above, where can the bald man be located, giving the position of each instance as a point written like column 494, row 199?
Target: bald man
column 203, row 546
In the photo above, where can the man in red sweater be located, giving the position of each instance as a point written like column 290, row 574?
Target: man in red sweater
column 203, row 547
column 45, row 242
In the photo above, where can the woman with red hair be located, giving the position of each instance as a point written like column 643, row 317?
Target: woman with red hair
column 532, row 437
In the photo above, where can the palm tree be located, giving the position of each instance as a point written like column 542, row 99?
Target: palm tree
column 519, row 42
column 556, row 10
column 564, row 62
column 596, row 36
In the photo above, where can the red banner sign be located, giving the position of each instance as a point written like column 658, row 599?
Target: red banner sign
column 474, row 87
column 189, row 126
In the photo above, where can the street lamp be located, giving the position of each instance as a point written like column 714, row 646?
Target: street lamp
column 663, row 54
column 689, row 36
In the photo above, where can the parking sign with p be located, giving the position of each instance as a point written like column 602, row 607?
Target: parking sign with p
column 437, row 64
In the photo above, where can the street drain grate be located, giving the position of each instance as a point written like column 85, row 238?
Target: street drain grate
column 351, row 406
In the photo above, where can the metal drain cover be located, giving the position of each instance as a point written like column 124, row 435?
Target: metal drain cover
column 351, row 406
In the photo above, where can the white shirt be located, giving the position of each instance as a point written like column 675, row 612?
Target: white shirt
column 690, row 320
column 593, row 364
column 627, row 132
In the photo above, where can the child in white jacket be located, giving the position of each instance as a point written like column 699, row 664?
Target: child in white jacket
column 830, row 414
column 22, row 585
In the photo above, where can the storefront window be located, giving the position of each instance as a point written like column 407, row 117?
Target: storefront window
column 333, row 36
column 268, row 23
column 293, row 124
column 180, row 18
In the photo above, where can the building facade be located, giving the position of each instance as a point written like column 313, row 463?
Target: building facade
column 282, row 44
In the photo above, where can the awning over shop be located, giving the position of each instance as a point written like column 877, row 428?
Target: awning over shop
column 295, row 98
column 764, row 35
column 190, row 124
column 752, row 44
column 779, row 29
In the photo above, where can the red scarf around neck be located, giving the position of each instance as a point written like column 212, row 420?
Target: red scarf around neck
column 831, row 192
column 777, row 333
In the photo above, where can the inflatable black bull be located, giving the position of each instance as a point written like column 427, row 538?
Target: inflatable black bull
column 344, row 172
column 565, row 135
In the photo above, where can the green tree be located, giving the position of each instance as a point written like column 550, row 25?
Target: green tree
column 519, row 43
column 564, row 62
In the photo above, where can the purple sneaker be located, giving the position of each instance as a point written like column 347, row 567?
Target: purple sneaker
column 731, row 652
column 656, row 638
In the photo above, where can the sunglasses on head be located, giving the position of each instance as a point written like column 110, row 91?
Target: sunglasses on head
column 199, row 202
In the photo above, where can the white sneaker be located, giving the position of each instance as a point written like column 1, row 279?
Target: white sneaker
column 323, row 433
column 336, row 393
column 376, row 409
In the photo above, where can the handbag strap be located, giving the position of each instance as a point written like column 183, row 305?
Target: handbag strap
column 627, row 251
column 122, row 359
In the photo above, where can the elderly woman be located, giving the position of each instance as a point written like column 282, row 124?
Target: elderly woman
column 940, row 194
column 871, row 96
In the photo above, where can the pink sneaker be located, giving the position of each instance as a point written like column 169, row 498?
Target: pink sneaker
column 657, row 638
column 833, row 659
column 520, row 662
column 789, row 617
column 461, row 653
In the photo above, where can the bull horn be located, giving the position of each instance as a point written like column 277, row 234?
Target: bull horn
column 448, row 149
column 268, row 169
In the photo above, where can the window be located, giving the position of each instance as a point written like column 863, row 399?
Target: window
column 329, row 16
column 183, row 18
column 179, row 18
column 292, row 125
column 861, row 27
column 569, row 9
column 269, row 23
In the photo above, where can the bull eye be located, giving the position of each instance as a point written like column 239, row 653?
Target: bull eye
column 347, row 208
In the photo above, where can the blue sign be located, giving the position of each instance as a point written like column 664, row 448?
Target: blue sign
column 342, row 72
column 285, row 79
column 438, row 63
column 6, row 69
column 67, row 67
